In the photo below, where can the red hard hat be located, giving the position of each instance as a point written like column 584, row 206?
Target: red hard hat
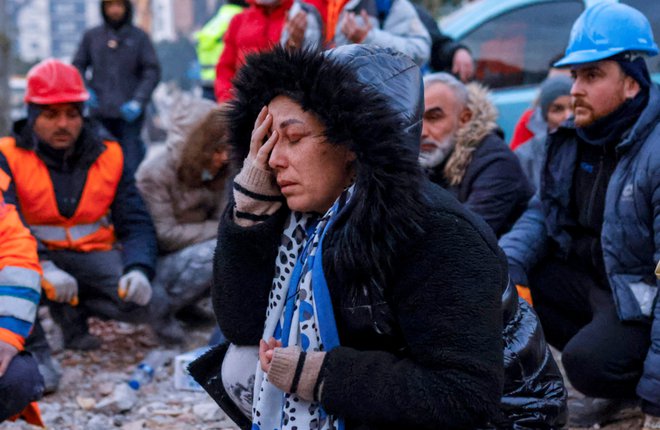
column 52, row 82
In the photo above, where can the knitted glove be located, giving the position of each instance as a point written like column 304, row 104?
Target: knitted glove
column 58, row 285
column 651, row 422
column 256, row 194
column 135, row 287
column 294, row 371
column 130, row 110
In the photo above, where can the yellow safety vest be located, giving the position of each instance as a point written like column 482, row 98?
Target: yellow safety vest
column 210, row 41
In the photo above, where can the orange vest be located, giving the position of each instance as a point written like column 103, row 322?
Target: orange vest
column 89, row 228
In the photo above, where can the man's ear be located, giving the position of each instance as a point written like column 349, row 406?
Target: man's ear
column 630, row 87
column 465, row 116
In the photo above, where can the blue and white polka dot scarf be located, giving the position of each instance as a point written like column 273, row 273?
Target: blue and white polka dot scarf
column 299, row 313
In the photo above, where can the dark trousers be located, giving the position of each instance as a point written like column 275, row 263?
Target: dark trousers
column 20, row 385
column 98, row 276
column 129, row 136
column 602, row 355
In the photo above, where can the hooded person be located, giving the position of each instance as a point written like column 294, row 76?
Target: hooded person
column 341, row 278
column 124, row 73
column 554, row 107
column 183, row 185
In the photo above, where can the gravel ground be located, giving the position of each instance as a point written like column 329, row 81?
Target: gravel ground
column 93, row 392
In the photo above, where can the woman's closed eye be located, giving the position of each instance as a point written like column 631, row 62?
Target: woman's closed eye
column 294, row 136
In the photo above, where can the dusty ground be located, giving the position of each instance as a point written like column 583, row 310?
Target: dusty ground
column 90, row 379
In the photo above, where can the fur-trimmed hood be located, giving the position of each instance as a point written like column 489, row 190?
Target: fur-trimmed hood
column 470, row 136
column 187, row 112
column 369, row 99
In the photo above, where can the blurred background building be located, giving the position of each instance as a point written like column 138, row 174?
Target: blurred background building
column 32, row 21
column 31, row 30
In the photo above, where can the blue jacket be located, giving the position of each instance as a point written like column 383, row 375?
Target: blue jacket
column 128, row 213
column 124, row 66
column 631, row 226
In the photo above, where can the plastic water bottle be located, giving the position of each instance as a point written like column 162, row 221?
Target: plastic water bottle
column 144, row 372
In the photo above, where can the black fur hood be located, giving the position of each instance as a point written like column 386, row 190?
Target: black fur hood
column 370, row 99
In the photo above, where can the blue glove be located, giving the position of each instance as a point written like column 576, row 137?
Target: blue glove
column 130, row 110
column 93, row 100
column 194, row 71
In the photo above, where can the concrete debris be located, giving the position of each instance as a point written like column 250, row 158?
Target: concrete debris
column 122, row 399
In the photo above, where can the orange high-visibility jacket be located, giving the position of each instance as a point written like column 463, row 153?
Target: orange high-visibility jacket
column 19, row 274
column 89, row 229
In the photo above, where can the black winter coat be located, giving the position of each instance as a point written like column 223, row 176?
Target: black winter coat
column 415, row 279
column 123, row 63
column 493, row 186
column 428, row 356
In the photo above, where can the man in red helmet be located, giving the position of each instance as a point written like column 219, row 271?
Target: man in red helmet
column 97, row 243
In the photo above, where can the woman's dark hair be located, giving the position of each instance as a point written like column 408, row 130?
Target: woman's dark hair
column 209, row 136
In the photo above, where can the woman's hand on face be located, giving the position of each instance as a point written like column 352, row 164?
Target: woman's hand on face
column 260, row 150
column 266, row 350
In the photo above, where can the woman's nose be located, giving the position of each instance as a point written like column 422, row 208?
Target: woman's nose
column 277, row 157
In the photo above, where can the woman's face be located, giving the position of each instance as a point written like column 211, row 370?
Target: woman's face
column 219, row 159
column 310, row 172
column 559, row 111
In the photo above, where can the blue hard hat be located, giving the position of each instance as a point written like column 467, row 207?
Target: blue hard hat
column 605, row 30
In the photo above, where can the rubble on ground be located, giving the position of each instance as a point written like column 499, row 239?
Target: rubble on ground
column 93, row 393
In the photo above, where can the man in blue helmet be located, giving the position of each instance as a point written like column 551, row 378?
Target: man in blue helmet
column 588, row 243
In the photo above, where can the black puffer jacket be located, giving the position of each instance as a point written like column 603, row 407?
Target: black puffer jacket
column 534, row 394
column 415, row 279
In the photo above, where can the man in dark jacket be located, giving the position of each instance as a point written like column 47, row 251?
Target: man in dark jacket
column 124, row 72
column 97, row 244
column 462, row 152
column 588, row 243
column 447, row 55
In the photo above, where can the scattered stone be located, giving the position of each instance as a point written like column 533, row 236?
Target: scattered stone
column 208, row 411
column 134, row 425
column 87, row 403
column 168, row 412
column 106, row 388
column 98, row 422
column 122, row 399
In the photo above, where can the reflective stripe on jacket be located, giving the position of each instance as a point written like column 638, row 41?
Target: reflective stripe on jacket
column 89, row 228
column 210, row 41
